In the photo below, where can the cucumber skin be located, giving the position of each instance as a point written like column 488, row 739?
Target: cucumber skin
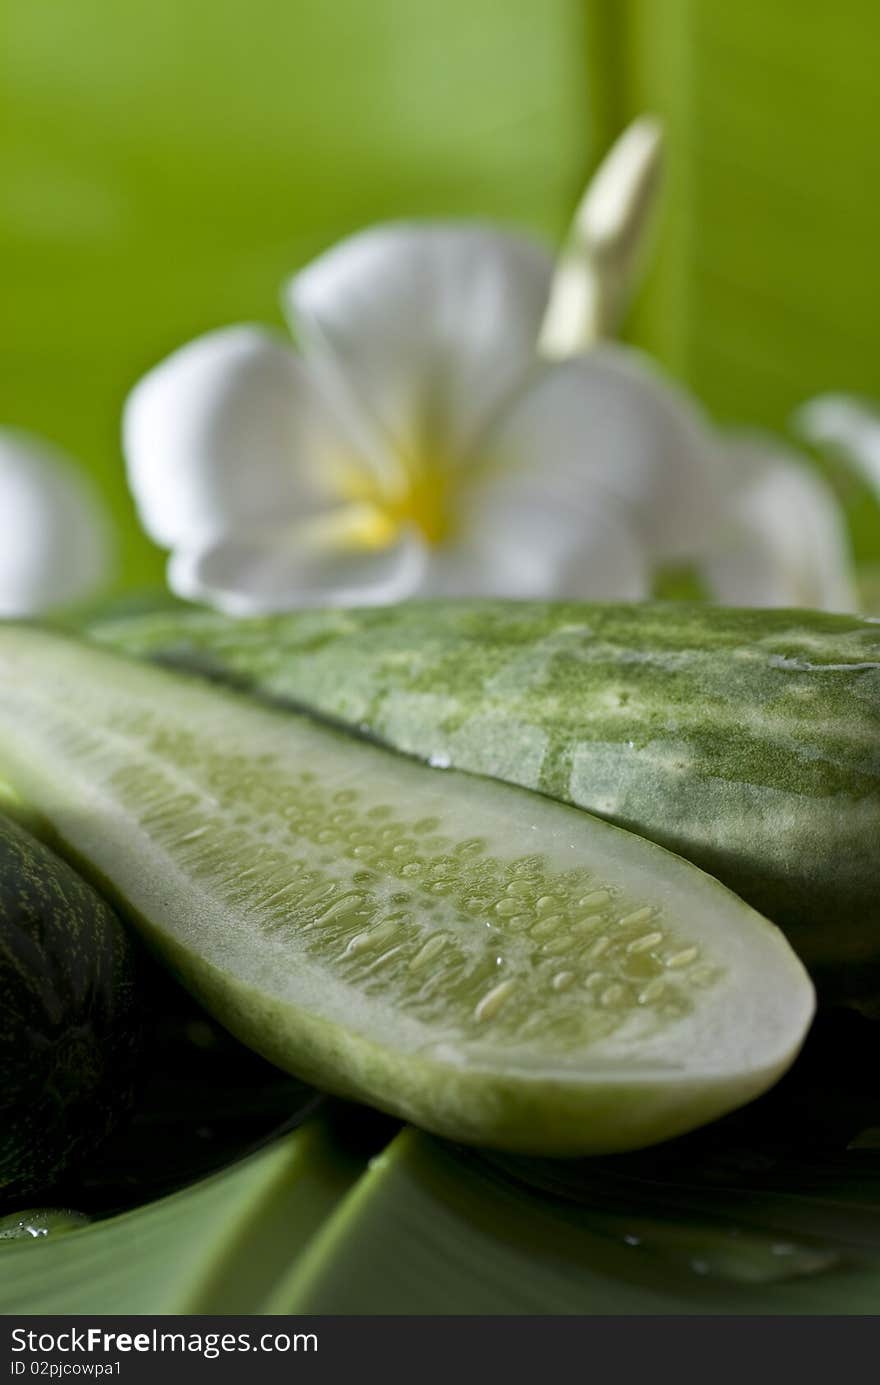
column 68, row 1017
column 746, row 741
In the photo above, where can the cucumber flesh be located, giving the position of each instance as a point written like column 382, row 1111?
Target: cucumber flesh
column 494, row 966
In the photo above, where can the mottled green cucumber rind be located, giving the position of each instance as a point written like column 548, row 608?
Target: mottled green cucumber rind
column 497, row 967
column 747, row 741
column 68, row 1023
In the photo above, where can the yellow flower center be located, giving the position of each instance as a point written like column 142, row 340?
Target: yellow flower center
column 424, row 499
column 424, row 502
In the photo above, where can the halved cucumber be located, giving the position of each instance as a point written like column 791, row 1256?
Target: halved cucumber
column 494, row 966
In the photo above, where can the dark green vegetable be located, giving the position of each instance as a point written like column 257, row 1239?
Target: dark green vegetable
column 68, row 1023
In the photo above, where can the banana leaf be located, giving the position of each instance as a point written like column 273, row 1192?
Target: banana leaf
column 215, row 1247
column 774, row 1210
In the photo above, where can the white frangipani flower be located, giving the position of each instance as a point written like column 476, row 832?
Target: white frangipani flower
column 445, row 430
column 54, row 539
column 847, row 424
column 599, row 264
column 417, row 444
column 783, row 541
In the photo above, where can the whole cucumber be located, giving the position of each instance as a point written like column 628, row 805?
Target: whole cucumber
column 747, row 741
column 67, row 1016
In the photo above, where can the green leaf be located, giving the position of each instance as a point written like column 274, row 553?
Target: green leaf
column 429, row 1230
column 216, row 1247
column 773, row 1211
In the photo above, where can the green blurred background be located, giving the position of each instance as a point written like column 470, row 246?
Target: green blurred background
column 166, row 163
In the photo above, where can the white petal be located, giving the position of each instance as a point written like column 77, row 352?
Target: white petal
column 521, row 543
column 277, row 569
column 229, row 430
column 598, row 268
column 785, row 543
column 425, row 329
column 54, row 537
column 848, row 424
column 604, row 424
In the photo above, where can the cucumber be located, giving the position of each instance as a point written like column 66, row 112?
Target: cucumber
column 494, row 966
column 747, row 741
column 67, row 1017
